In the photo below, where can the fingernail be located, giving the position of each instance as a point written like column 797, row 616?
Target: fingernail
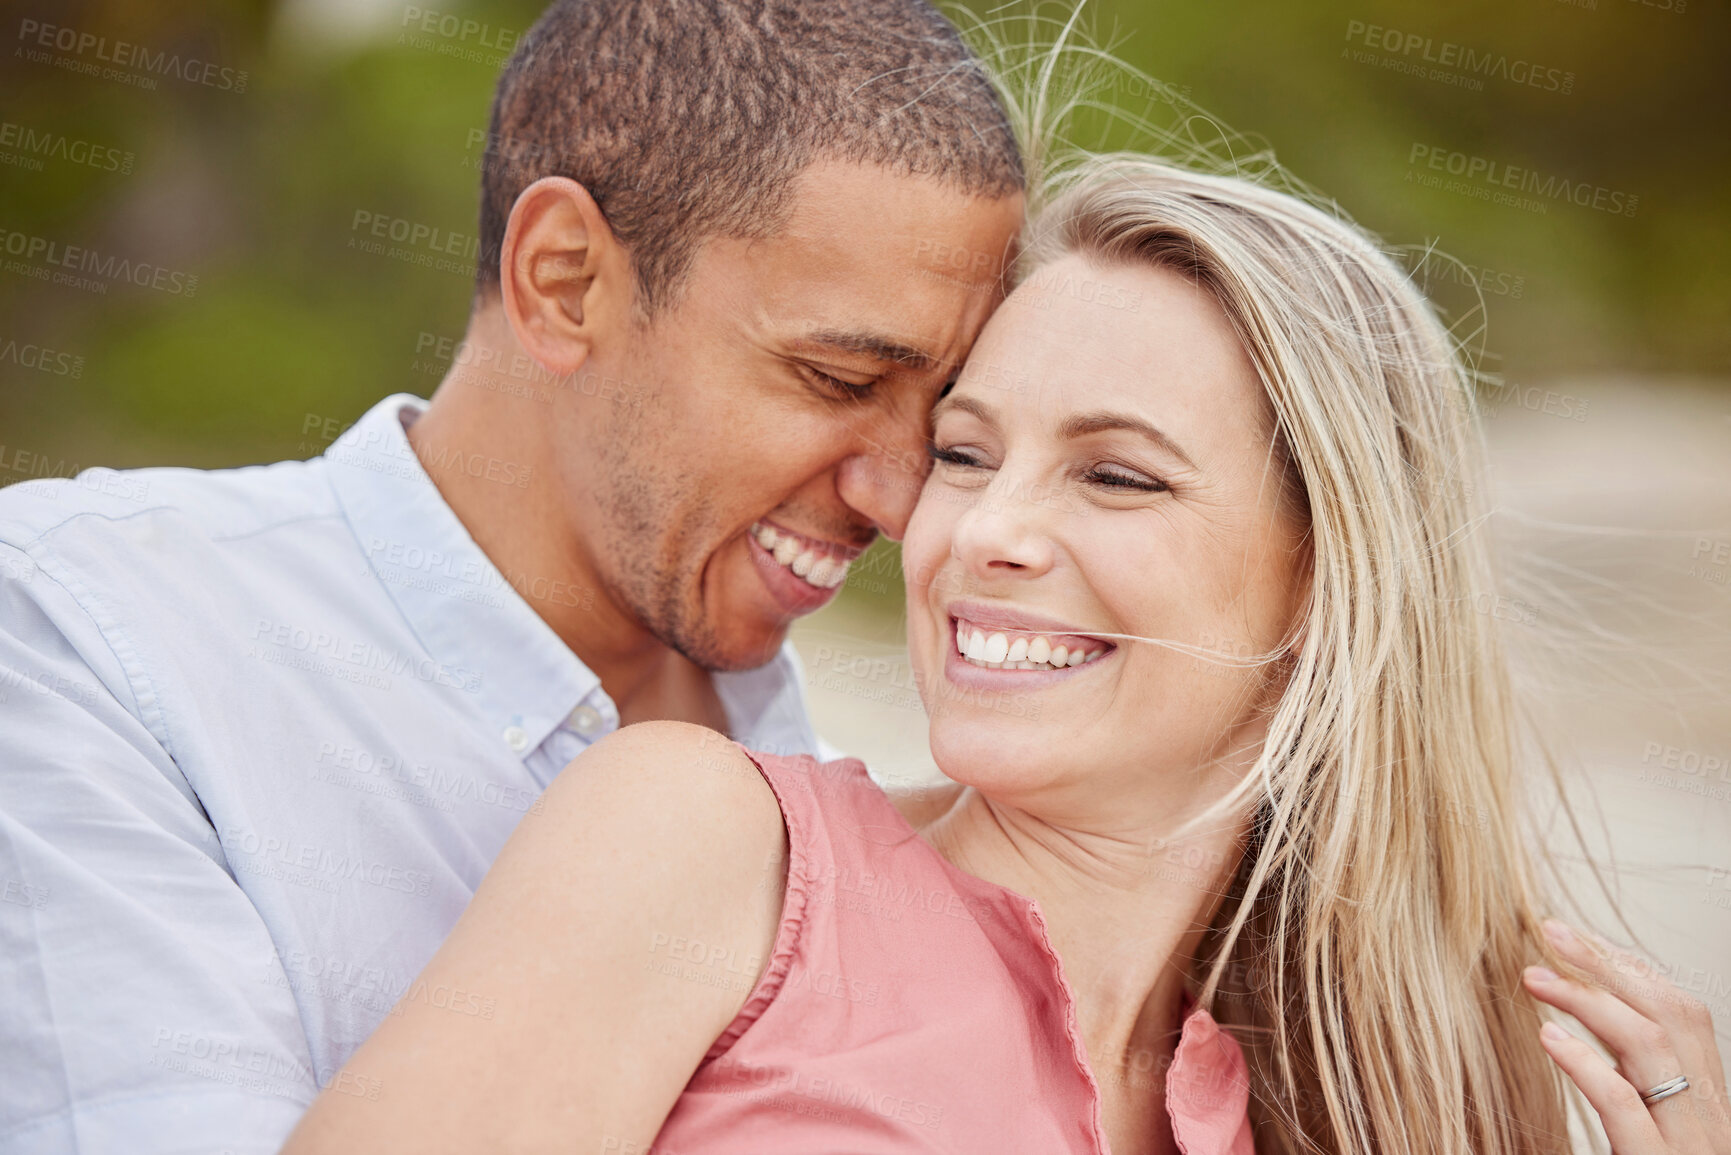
column 1542, row 974
column 1559, row 933
column 1553, row 1032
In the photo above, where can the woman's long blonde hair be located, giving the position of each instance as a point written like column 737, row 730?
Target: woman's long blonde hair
column 1388, row 900
column 1369, row 954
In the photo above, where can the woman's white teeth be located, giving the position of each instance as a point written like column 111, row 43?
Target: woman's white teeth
column 818, row 569
column 999, row 651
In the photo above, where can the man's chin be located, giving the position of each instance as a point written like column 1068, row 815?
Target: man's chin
column 732, row 651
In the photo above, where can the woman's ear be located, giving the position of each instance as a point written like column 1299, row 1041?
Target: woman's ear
column 563, row 278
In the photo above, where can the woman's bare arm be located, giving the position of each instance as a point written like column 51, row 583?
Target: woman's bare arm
column 618, row 933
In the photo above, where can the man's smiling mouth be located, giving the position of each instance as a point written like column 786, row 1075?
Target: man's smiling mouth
column 820, row 564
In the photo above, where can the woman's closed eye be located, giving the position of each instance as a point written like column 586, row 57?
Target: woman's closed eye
column 1113, row 478
column 953, row 455
column 1104, row 476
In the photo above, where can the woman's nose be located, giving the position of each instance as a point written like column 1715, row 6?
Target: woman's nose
column 1005, row 531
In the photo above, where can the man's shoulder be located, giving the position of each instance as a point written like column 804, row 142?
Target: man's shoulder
column 214, row 503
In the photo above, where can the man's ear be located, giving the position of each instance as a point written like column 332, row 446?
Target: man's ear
column 562, row 275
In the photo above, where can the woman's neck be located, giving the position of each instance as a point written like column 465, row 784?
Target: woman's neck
column 1126, row 912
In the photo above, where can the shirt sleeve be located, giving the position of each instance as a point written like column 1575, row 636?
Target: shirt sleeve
column 143, row 1008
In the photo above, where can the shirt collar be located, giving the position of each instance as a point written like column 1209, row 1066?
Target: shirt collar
column 485, row 636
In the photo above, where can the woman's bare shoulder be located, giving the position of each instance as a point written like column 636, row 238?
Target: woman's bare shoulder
column 676, row 779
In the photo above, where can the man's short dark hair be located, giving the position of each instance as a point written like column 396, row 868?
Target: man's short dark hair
column 687, row 119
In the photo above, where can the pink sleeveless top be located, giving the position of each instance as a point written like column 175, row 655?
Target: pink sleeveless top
column 908, row 1006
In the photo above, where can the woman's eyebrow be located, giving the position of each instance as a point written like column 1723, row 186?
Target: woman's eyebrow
column 1083, row 424
column 979, row 409
column 1074, row 426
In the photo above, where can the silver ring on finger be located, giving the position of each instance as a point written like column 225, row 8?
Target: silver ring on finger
column 1666, row 1089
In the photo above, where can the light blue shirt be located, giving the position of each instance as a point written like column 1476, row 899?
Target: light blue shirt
column 262, row 731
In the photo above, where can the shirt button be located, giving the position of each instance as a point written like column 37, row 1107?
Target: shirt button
column 516, row 738
column 585, row 720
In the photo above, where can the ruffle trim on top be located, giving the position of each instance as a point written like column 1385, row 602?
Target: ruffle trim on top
column 787, row 932
column 1078, row 1053
column 1208, row 1088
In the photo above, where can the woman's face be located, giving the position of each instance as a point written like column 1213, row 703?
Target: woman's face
column 1103, row 464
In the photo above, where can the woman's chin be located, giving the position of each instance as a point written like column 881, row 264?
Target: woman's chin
column 993, row 754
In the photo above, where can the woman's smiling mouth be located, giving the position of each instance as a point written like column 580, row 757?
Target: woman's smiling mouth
column 1005, row 638
column 1014, row 650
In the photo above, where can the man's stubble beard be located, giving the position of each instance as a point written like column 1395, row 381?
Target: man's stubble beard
column 654, row 518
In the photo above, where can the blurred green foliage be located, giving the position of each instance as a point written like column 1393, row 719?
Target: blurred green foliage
column 293, row 332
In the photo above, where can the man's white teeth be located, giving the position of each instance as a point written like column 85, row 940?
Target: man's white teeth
column 818, row 569
column 998, row 651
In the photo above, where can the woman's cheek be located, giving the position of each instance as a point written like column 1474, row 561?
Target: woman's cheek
column 926, row 545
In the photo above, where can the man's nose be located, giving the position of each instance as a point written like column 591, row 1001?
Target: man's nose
column 882, row 480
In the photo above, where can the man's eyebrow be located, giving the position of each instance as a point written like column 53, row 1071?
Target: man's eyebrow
column 1083, row 424
column 873, row 345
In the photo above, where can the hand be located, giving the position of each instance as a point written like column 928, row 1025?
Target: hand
column 1655, row 1031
